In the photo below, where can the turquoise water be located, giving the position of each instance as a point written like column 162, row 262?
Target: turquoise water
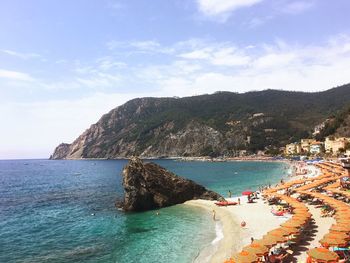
column 63, row 211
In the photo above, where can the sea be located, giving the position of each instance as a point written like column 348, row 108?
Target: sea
column 64, row 211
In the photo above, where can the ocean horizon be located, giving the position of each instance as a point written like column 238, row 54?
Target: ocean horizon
column 64, row 211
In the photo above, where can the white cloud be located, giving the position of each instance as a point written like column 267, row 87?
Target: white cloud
column 134, row 47
column 275, row 66
column 220, row 55
column 275, row 60
column 15, row 75
column 221, row 7
column 100, row 80
column 19, row 54
column 297, row 7
column 197, row 54
column 195, row 67
column 230, row 56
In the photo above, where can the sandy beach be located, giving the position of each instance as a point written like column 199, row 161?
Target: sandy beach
column 258, row 218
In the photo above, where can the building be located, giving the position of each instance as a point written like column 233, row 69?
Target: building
column 306, row 144
column 293, row 148
column 335, row 145
column 316, row 148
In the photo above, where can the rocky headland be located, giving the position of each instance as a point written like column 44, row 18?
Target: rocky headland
column 220, row 124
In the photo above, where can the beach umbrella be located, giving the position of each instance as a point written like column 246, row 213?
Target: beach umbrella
column 273, row 239
column 321, row 254
column 244, row 257
column 247, row 192
column 337, row 235
column 279, row 232
column 343, row 221
column 340, row 228
column 301, row 216
column 291, row 230
column 290, row 223
column 270, row 241
column 333, row 242
column 257, row 249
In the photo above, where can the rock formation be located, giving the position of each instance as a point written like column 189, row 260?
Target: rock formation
column 150, row 186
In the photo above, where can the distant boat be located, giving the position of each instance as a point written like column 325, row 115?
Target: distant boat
column 76, row 174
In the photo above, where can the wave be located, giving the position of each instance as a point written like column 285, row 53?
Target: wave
column 219, row 233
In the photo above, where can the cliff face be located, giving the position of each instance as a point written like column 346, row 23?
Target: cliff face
column 208, row 125
column 150, row 186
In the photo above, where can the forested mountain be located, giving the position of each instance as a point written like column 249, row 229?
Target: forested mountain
column 217, row 124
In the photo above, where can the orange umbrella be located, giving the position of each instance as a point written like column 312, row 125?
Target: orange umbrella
column 323, row 255
column 333, row 242
column 340, row 228
column 339, row 235
column 278, row 238
column 270, row 241
column 278, row 232
column 257, row 249
column 245, row 257
column 291, row 230
column 290, row 223
column 343, row 221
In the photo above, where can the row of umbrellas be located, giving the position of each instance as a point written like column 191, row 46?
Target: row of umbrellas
column 338, row 234
column 301, row 216
column 291, row 228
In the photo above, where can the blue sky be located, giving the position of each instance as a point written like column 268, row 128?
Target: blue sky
column 64, row 63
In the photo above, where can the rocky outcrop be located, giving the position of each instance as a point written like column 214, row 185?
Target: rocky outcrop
column 61, row 151
column 150, row 186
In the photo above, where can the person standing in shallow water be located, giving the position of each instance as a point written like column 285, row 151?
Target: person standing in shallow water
column 214, row 214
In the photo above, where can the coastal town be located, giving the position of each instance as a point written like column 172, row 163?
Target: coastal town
column 331, row 147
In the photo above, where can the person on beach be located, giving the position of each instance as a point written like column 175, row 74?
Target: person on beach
column 239, row 201
column 214, row 214
column 229, row 193
column 251, row 240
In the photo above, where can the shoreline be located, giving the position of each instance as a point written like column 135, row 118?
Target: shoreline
column 230, row 229
column 236, row 237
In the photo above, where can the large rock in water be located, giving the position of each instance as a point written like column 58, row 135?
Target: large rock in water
column 150, row 186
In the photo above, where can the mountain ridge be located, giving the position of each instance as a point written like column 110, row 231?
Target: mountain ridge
column 222, row 123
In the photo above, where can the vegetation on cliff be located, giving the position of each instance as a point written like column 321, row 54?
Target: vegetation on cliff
column 218, row 124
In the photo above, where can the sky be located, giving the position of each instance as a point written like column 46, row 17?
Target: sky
column 64, row 63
